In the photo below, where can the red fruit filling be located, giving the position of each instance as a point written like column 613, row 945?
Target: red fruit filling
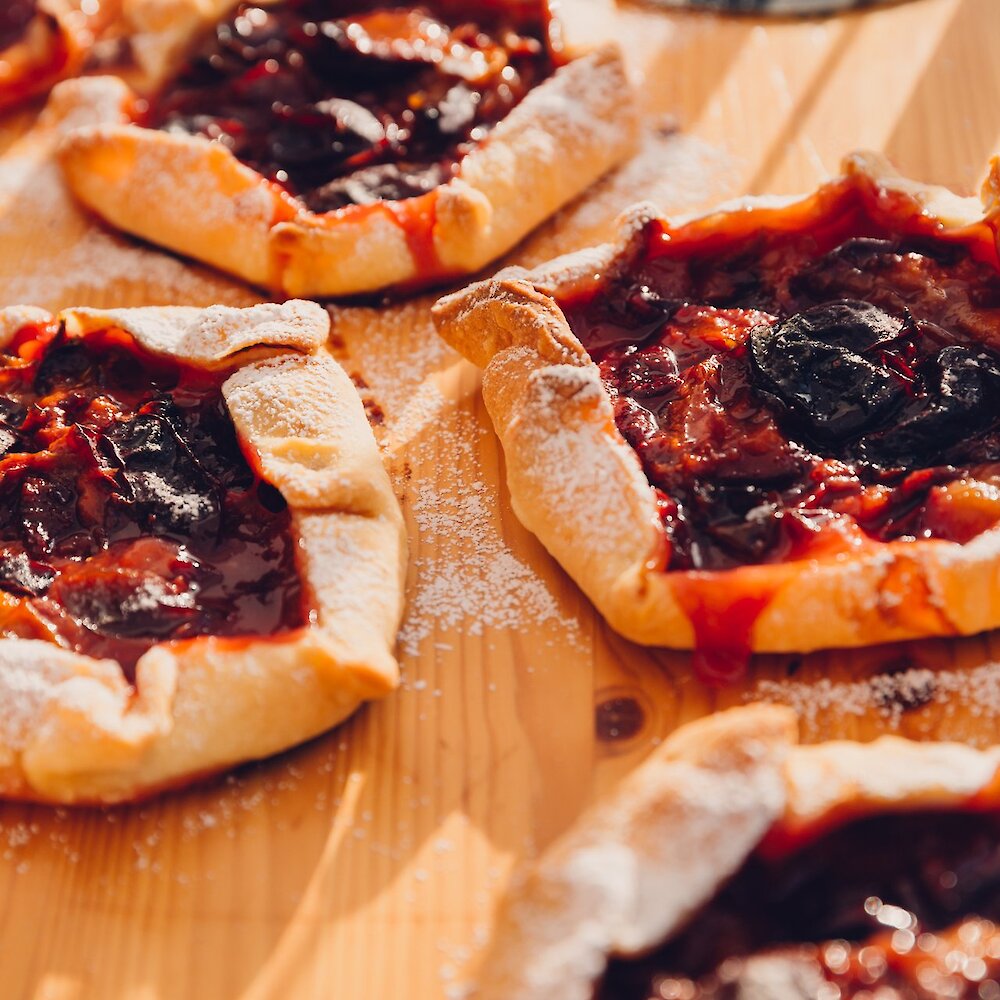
column 129, row 514
column 903, row 906
column 775, row 382
column 347, row 103
column 825, row 381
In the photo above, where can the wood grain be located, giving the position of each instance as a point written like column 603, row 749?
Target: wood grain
column 367, row 864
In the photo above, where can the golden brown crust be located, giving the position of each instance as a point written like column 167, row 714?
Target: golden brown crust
column 184, row 193
column 562, row 137
column 194, row 197
column 73, row 730
column 578, row 486
column 642, row 860
column 646, row 857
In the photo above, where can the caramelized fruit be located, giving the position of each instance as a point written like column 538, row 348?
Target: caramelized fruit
column 346, row 103
column 128, row 512
column 781, row 383
column 897, row 905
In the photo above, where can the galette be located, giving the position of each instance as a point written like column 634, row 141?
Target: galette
column 328, row 147
column 201, row 555
column 775, row 427
column 736, row 864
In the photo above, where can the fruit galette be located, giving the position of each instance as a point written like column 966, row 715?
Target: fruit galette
column 200, row 552
column 734, row 863
column 42, row 41
column 326, row 147
column 776, row 427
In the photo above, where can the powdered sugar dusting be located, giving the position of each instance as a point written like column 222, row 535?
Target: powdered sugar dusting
column 34, row 675
column 672, row 171
column 583, row 100
column 211, row 819
column 174, row 177
column 208, row 336
column 85, row 103
column 27, row 689
column 258, row 394
column 464, row 574
column 577, row 465
column 98, row 263
column 471, row 580
column 973, row 692
column 65, row 258
column 401, row 354
column 889, row 769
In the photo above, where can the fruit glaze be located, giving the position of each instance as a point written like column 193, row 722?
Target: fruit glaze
column 902, row 906
column 129, row 514
column 346, row 103
column 817, row 382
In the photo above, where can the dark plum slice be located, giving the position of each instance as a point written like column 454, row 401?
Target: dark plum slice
column 49, row 518
column 148, row 611
column 861, row 250
column 847, row 323
column 383, row 48
column 130, row 604
column 836, row 394
column 962, row 393
column 385, row 182
column 70, row 365
column 312, row 94
column 169, row 488
column 328, row 131
column 632, row 319
column 743, row 522
column 648, row 373
column 812, row 362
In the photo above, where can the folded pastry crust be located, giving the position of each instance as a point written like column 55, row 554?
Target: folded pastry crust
column 72, row 729
column 639, row 864
column 578, row 485
column 194, row 197
column 159, row 33
column 53, row 46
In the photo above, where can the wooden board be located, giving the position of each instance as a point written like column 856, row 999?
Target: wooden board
column 367, row 864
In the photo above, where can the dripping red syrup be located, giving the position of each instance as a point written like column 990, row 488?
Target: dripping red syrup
column 129, row 514
column 787, row 385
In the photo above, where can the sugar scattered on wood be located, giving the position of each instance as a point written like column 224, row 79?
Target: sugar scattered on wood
column 467, row 578
column 670, row 170
column 470, row 580
column 972, row 692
